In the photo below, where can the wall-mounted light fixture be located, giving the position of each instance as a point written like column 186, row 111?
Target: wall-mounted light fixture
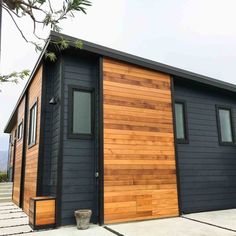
column 53, row 101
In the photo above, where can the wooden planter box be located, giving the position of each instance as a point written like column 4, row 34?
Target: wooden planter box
column 42, row 212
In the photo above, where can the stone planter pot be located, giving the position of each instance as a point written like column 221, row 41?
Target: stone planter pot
column 83, row 218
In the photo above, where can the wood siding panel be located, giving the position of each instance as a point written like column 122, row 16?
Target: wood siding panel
column 18, row 156
column 139, row 155
column 31, row 163
column 42, row 212
column 45, row 214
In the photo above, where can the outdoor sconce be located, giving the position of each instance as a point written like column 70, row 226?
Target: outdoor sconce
column 53, row 101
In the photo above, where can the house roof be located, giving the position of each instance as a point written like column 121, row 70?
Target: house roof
column 129, row 58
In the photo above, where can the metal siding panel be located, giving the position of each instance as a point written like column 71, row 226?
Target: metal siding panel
column 78, row 187
column 207, row 169
column 51, row 136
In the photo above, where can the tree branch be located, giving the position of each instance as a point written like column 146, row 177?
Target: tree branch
column 6, row 7
column 22, row 34
column 49, row 16
column 50, row 6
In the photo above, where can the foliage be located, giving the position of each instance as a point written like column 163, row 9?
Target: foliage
column 45, row 13
column 14, row 76
column 3, row 177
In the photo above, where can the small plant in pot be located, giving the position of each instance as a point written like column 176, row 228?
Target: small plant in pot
column 83, row 218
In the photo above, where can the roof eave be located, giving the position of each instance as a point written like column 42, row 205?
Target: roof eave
column 122, row 56
column 173, row 71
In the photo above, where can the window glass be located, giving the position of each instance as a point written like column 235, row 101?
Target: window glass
column 32, row 127
column 82, row 112
column 225, row 125
column 179, row 121
column 19, row 131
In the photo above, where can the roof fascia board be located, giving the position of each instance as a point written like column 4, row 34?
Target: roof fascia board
column 173, row 71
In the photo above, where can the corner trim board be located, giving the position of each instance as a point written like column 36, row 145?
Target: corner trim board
column 175, row 146
column 60, row 151
column 25, row 144
column 41, row 137
column 101, row 144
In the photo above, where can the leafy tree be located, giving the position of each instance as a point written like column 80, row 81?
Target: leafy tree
column 45, row 13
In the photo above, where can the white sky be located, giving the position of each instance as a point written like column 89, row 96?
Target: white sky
column 196, row 35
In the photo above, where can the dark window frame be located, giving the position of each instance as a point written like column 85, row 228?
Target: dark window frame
column 186, row 134
column 228, row 108
column 30, row 145
column 71, row 89
column 21, row 136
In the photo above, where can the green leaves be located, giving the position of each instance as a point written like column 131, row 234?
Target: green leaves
column 24, row 74
column 44, row 13
column 63, row 43
column 77, row 5
column 79, row 44
column 51, row 56
column 48, row 19
column 14, row 76
column 41, row 1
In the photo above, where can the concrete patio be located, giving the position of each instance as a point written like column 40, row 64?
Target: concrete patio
column 217, row 223
column 14, row 222
column 225, row 218
column 170, row 227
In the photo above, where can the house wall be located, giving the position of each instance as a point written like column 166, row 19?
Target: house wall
column 207, row 170
column 79, row 155
column 51, row 129
column 32, row 153
column 18, row 156
column 139, row 153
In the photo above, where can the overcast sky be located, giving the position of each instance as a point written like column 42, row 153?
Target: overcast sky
column 197, row 35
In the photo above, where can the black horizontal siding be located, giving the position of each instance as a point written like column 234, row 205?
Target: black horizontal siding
column 78, row 167
column 207, row 170
column 51, row 129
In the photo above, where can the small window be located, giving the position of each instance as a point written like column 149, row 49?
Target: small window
column 225, row 127
column 20, row 131
column 180, row 122
column 32, row 125
column 81, row 113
